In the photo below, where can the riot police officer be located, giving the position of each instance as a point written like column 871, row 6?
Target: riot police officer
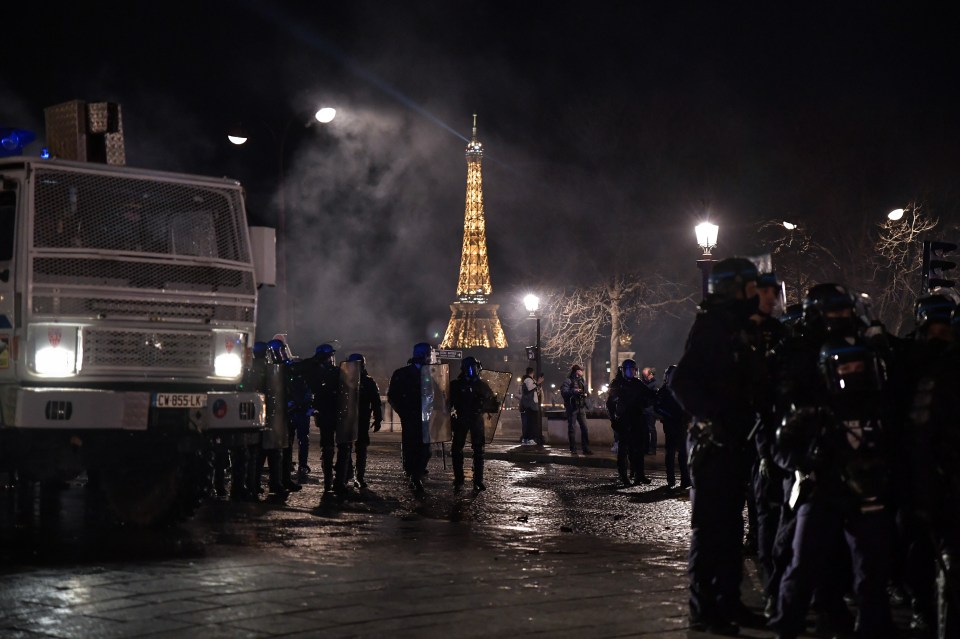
column 470, row 399
column 404, row 396
column 716, row 382
column 627, row 402
column 323, row 378
column 936, row 481
column 299, row 410
column 370, row 405
column 831, row 393
column 766, row 497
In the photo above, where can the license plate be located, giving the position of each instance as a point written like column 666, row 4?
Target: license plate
column 180, row 400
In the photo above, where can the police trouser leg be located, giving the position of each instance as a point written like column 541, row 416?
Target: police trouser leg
column 221, row 459
column 477, row 444
column 623, row 455
column 344, row 455
column 255, row 468
column 456, row 452
column 288, row 454
column 869, row 537
column 361, row 462
column 238, row 472
column 275, row 461
column 637, row 445
column 715, row 563
column 303, row 442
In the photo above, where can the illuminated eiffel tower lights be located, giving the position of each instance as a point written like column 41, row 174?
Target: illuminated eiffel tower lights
column 473, row 320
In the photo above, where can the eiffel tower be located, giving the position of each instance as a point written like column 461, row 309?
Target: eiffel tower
column 474, row 321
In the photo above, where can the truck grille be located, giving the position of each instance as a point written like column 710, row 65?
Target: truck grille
column 109, row 350
column 103, row 308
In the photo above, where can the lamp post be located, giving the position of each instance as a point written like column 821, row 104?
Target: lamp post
column 792, row 243
column 238, row 136
column 532, row 303
column 707, row 239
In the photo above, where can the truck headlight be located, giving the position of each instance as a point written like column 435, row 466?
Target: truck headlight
column 228, row 354
column 55, row 350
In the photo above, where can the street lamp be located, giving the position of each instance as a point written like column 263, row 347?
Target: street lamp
column 238, row 136
column 532, row 304
column 895, row 215
column 707, row 239
column 792, row 243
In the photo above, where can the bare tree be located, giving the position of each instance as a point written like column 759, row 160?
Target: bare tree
column 798, row 258
column 897, row 263
column 881, row 260
column 575, row 318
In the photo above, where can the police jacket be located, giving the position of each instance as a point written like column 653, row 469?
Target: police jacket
column 323, row 379
column 720, row 369
column 629, row 398
column 404, row 392
column 299, row 395
column 471, row 398
column 369, row 399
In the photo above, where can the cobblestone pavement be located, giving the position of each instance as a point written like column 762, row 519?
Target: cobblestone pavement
column 551, row 548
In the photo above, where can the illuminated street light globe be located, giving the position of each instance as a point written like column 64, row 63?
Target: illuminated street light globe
column 237, row 135
column 790, row 226
column 895, row 215
column 707, row 236
column 531, row 302
column 325, row 115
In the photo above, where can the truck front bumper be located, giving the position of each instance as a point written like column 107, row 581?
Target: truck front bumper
column 81, row 409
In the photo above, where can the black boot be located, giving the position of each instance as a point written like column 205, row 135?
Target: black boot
column 327, row 463
column 361, row 467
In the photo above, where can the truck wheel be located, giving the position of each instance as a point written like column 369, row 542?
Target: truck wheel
column 158, row 495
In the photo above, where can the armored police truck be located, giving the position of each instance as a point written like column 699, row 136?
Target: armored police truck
column 127, row 306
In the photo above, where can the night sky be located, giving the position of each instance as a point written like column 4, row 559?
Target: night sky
column 610, row 130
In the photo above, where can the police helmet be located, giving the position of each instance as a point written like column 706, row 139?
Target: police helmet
column 470, row 367
column 629, row 368
column 277, row 351
column 848, row 366
column 730, row 277
column 422, row 351
column 792, row 315
column 933, row 309
column 824, row 306
column 325, row 349
column 357, row 357
column 768, row 280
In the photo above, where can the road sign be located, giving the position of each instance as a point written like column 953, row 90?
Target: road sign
column 450, row 354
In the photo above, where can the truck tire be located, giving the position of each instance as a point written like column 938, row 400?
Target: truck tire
column 161, row 494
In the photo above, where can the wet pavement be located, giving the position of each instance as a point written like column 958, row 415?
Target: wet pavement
column 553, row 547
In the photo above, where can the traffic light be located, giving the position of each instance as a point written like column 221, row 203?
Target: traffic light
column 935, row 266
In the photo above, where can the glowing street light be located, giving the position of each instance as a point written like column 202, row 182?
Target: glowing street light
column 790, row 226
column 237, row 135
column 707, row 236
column 707, row 239
column 325, row 115
column 532, row 304
column 895, row 214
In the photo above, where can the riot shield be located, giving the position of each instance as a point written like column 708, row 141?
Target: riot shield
column 348, row 408
column 435, row 403
column 275, row 435
column 499, row 383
